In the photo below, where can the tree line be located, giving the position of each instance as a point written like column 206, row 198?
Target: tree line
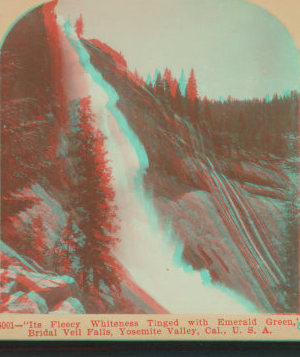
column 231, row 128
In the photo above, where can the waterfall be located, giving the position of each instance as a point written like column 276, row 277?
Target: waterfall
column 149, row 250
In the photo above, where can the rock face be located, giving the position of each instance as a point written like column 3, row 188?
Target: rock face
column 207, row 240
column 23, row 303
column 27, row 288
column 69, row 306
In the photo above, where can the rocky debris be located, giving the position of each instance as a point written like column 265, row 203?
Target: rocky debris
column 25, row 288
column 50, row 287
column 8, row 283
column 53, row 289
column 69, row 306
column 41, row 303
column 21, row 303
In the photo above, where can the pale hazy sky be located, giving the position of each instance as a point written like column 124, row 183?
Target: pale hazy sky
column 235, row 47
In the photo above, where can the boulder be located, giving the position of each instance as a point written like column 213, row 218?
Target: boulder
column 24, row 282
column 8, row 283
column 41, row 303
column 69, row 306
column 21, row 303
column 52, row 288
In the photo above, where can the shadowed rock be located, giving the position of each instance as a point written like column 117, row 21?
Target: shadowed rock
column 69, row 306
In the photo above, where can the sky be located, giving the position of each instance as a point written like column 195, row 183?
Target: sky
column 236, row 47
column 287, row 11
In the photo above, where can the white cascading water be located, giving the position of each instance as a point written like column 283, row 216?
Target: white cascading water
column 148, row 250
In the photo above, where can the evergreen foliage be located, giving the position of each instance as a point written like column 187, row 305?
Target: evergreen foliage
column 92, row 196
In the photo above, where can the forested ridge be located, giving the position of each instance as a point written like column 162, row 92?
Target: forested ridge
column 254, row 127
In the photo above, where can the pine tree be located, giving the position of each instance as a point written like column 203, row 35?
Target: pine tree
column 79, row 27
column 182, row 83
column 92, row 197
column 168, row 77
column 167, row 82
column 155, row 76
column 207, row 123
column 159, row 86
column 149, row 80
column 178, row 101
column 70, row 244
column 136, row 77
column 191, row 88
column 173, row 87
column 191, row 97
